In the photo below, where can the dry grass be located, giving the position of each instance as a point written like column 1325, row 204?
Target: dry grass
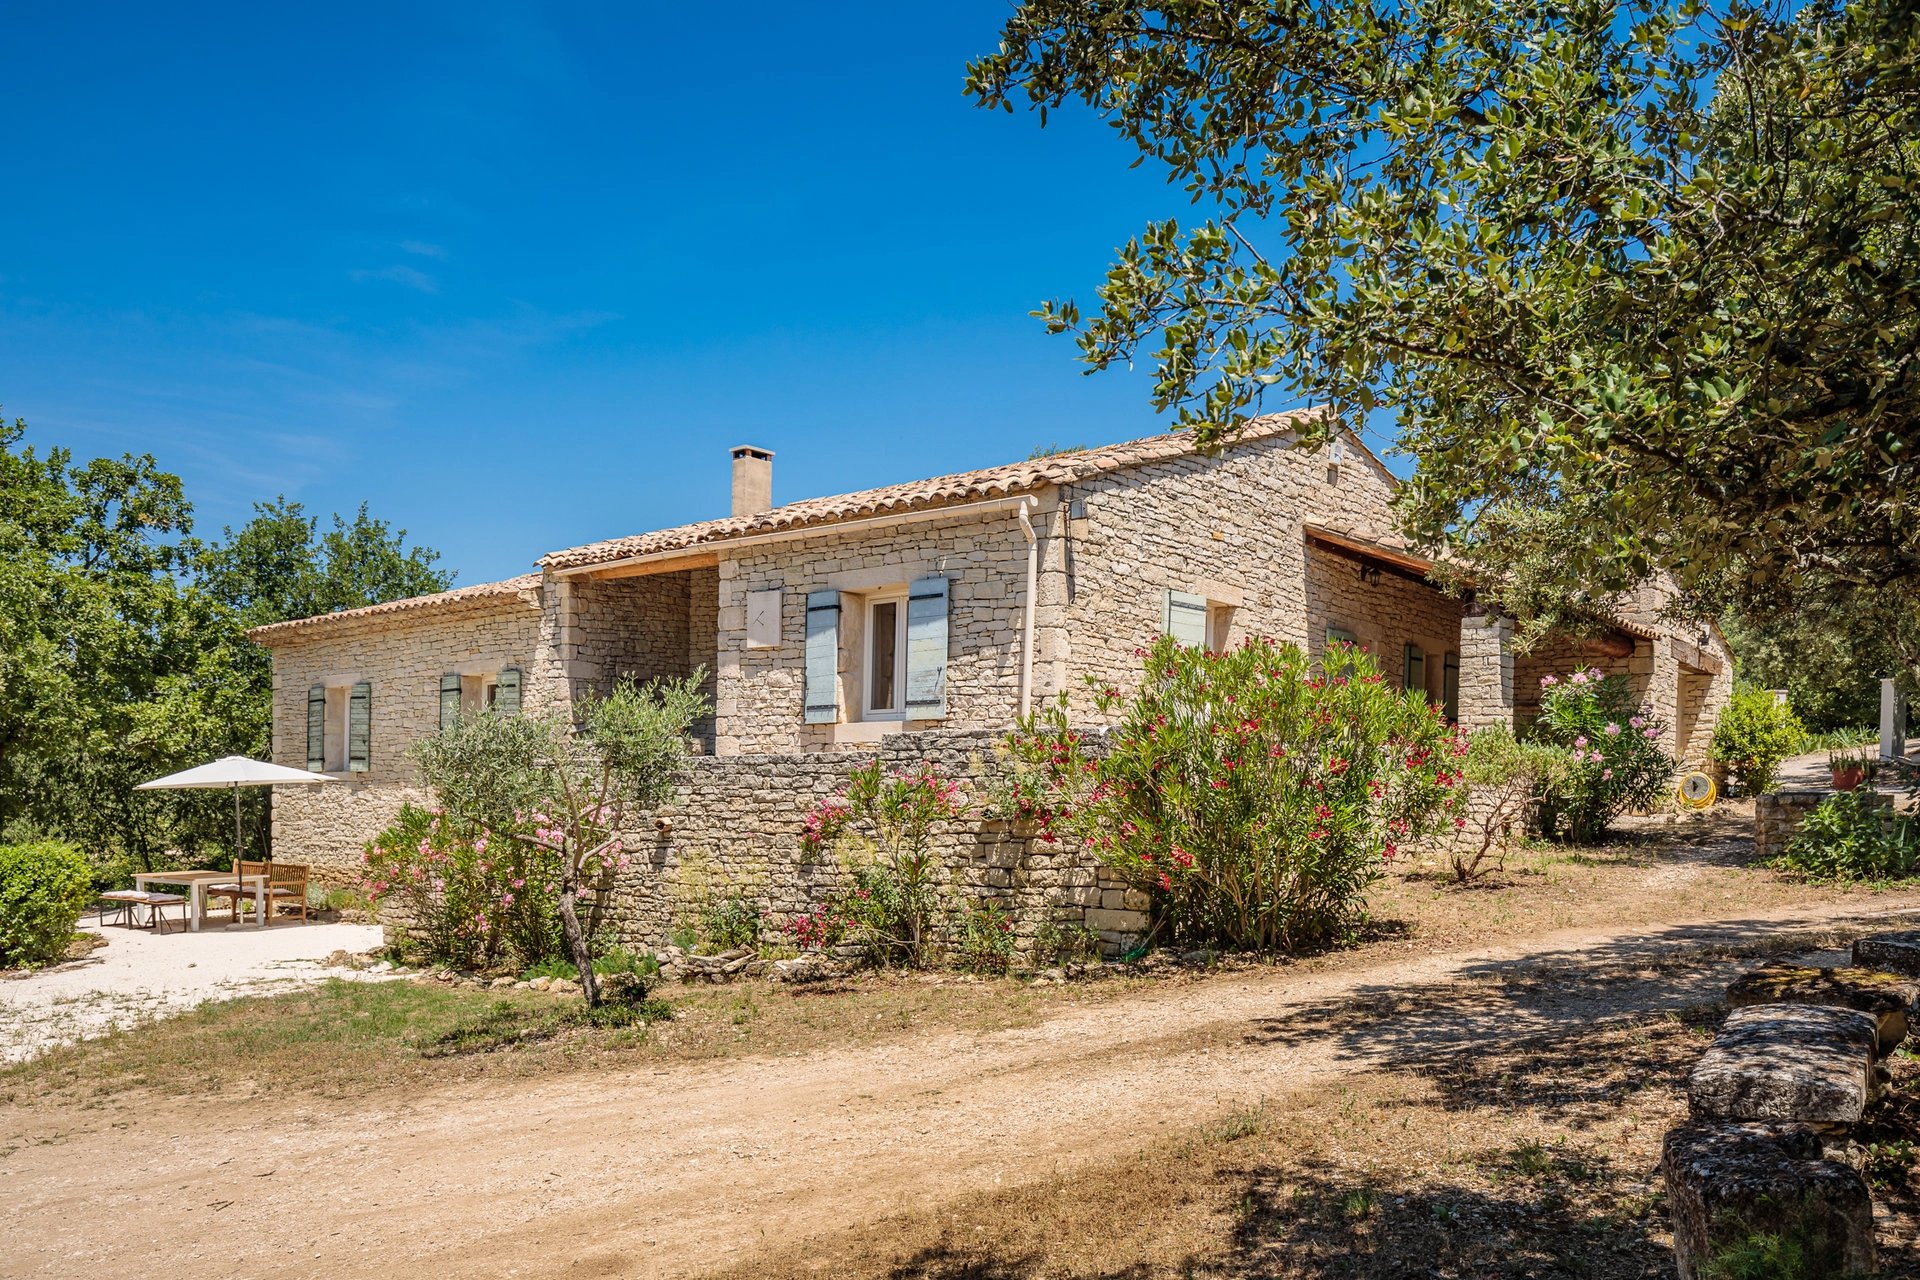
column 359, row 1039
column 1538, row 1160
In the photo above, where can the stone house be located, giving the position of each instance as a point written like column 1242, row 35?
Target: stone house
column 915, row 620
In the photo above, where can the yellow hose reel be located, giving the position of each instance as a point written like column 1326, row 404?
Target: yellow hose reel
column 1695, row 791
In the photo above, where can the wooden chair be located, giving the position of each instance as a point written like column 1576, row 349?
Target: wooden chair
column 237, row 889
column 287, row 891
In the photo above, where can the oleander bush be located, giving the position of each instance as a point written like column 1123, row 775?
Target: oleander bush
column 1253, row 795
column 1613, row 762
column 44, row 886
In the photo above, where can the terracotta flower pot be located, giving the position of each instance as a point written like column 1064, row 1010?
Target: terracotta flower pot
column 1848, row 776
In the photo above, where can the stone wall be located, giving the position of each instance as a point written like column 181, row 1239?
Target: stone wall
column 735, row 830
column 403, row 657
column 1777, row 815
column 1385, row 612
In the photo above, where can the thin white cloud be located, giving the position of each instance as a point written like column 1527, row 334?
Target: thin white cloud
column 424, row 249
column 401, row 275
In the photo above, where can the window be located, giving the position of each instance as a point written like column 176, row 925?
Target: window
column 1413, row 675
column 1450, row 685
column 479, row 693
column 1340, row 635
column 886, row 676
column 1219, row 627
column 340, row 727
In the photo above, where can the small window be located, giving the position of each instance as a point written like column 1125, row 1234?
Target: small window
column 479, row 693
column 886, row 658
column 1414, row 672
column 1219, row 627
column 336, row 752
column 1340, row 635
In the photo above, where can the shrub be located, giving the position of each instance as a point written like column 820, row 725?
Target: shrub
column 1613, row 759
column 1065, row 942
column 1756, row 732
column 881, row 826
column 471, row 893
column 1852, row 836
column 1504, row 779
column 1250, row 794
column 983, row 939
column 44, row 886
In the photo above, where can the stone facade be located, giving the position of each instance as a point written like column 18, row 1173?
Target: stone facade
column 1777, row 816
column 1277, row 541
column 403, row 658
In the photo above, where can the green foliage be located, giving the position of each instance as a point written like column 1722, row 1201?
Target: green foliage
column 1763, row 1255
column 983, row 941
column 122, row 646
column 542, row 781
column 471, row 893
column 1504, row 779
column 881, row 827
column 606, row 963
column 1058, row 942
column 1829, row 650
column 1613, row 760
column 44, row 887
column 729, row 922
column 1250, row 794
column 1648, row 264
column 1755, row 733
column 1852, row 836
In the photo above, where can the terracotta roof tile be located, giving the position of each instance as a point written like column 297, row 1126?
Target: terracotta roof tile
column 478, row 591
column 967, row 486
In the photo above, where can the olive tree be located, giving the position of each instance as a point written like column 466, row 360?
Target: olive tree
column 568, row 785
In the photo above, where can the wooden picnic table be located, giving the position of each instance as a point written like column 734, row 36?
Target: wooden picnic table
column 196, row 882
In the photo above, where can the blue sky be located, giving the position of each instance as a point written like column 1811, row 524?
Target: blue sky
column 517, row 276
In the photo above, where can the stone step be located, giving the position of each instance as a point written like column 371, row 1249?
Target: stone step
column 1788, row 1062
column 1727, row 1183
column 1890, row 997
column 1895, row 952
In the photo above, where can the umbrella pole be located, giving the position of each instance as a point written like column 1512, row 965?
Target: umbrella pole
column 239, row 854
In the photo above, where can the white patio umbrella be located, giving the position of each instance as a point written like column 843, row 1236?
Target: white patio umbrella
column 234, row 772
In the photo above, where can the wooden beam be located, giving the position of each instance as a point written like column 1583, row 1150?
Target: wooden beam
column 670, row 564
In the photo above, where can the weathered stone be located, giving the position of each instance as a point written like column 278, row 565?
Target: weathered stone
column 541, row 984
column 1889, row 997
column 498, row 983
column 1729, row 1182
column 563, row 987
column 1787, row 1062
column 1897, row 952
column 807, row 968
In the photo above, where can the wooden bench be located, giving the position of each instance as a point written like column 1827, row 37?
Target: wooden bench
column 123, row 901
column 286, row 888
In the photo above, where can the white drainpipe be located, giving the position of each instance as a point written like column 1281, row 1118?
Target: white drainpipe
column 1023, row 513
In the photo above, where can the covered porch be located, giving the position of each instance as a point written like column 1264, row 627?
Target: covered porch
column 650, row 621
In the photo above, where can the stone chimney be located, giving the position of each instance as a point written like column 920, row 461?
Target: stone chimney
column 752, row 479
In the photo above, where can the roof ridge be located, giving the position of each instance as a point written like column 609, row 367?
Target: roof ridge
column 1002, row 480
column 472, row 591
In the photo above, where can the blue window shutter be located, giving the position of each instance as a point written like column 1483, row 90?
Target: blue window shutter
column 449, row 699
column 1186, row 619
column 317, row 729
column 823, row 657
column 927, row 649
column 360, row 728
column 506, row 693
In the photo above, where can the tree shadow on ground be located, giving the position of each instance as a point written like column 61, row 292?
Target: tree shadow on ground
column 1538, row 1212
column 974, row 1262
column 1493, row 1005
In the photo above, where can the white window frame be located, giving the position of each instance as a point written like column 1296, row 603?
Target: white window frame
column 868, row 634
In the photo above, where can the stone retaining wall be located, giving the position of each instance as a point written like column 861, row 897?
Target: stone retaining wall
column 735, row 831
column 1777, row 815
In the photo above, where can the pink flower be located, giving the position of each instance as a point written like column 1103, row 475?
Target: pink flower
column 1595, row 758
column 1606, row 775
column 1580, row 743
column 1547, row 682
column 1637, row 722
column 1613, row 730
column 1652, row 732
column 1578, row 677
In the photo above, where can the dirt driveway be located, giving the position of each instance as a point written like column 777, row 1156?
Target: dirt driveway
column 673, row 1171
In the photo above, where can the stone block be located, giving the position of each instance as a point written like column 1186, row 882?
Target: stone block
column 1790, row 1063
column 1729, row 1182
column 1889, row 997
column 1116, row 921
column 1895, row 952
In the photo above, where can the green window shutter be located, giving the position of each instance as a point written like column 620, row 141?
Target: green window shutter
column 506, row 693
column 360, row 728
column 1450, row 685
column 823, row 657
column 1186, row 619
column 449, row 699
column 317, row 729
column 1413, row 675
column 927, row 649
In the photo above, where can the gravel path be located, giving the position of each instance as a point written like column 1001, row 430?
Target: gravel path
column 138, row 975
column 675, row 1170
